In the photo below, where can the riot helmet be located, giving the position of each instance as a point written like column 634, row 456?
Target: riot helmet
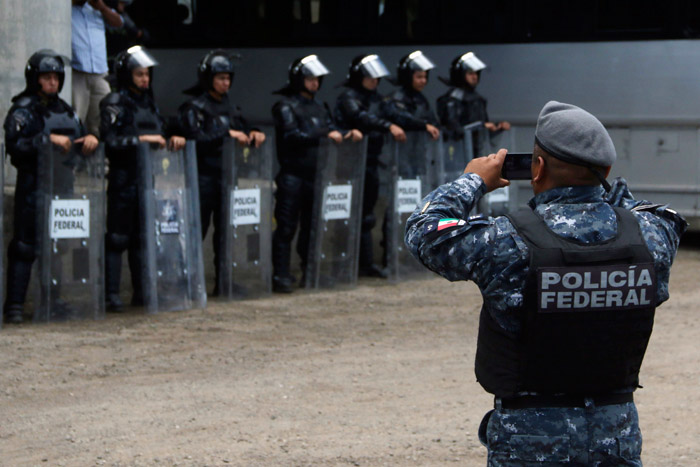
column 460, row 66
column 130, row 59
column 216, row 61
column 305, row 67
column 364, row 66
column 415, row 61
column 44, row 61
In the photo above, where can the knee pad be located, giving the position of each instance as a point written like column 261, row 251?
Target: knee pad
column 116, row 242
column 22, row 251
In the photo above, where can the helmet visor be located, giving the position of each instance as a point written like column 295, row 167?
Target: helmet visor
column 312, row 66
column 373, row 67
column 419, row 62
column 220, row 64
column 50, row 64
column 139, row 57
column 472, row 62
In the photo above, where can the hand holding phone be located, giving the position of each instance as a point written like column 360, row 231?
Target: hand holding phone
column 517, row 166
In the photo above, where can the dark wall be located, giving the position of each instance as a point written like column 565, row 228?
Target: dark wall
column 643, row 82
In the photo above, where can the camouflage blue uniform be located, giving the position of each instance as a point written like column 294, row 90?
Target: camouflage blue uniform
column 491, row 253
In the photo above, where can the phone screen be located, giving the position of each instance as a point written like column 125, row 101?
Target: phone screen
column 517, row 166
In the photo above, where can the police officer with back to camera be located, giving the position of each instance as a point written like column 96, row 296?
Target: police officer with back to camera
column 209, row 119
column 36, row 113
column 407, row 106
column 301, row 124
column 358, row 107
column 128, row 116
column 569, row 286
column 462, row 105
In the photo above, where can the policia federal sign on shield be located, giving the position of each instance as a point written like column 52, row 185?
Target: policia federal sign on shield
column 172, row 265
column 416, row 171
column 245, row 255
column 334, row 239
column 70, row 210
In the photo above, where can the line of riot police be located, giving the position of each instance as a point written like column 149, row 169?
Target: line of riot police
column 168, row 180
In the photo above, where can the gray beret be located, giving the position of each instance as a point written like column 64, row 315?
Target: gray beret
column 572, row 135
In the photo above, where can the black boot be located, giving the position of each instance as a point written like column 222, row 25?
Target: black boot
column 13, row 313
column 283, row 284
column 113, row 271
column 373, row 271
column 114, row 303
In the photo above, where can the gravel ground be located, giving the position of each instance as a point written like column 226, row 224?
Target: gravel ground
column 380, row 375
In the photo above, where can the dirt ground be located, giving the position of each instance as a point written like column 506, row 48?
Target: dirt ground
column 380, row 375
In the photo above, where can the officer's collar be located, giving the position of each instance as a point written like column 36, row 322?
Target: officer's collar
column 211, row 97
column 569, row 195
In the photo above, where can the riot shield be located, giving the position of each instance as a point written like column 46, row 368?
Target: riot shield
column 245, row 253
column 334, row 240
column 70, row 235
column 457, row 153
column 171, row 235
column 415, row 173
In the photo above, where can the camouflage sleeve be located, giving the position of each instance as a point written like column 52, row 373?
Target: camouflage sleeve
column 440, row 234
column 661, row 226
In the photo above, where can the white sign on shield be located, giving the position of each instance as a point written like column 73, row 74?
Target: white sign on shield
column 408, row 195
column 245, row 206
column 336, row 202
column 69, row 218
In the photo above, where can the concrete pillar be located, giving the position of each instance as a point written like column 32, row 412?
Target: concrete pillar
column 25, row 27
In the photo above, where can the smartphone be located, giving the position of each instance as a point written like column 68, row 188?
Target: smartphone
column 517, row 166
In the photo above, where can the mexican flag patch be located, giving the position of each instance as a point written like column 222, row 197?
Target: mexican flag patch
column 447, row 223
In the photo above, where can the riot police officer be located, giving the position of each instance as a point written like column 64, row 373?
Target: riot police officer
column 358, row 107
column 209, row 118
column 37, row 111
column 462, row 105
column 129, row 116
column 569, row 286
column 407, row 106
column 300, row 124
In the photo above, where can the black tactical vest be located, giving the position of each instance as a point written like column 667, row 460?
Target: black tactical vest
column 587, row 316
column 61, row 122
column 146, row 120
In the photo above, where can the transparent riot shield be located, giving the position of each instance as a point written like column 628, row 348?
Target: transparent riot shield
column 415, row 173
column 457, row 154
column 70, row 235
column 171, row 236
column 334, row 241
column 245, row 253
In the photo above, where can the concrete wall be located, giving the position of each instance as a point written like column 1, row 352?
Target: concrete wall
column 652, row 82
column 25, row 27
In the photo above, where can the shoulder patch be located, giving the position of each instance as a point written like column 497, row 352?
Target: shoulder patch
column 647, row 207
column 442, row 226
column 24, row 101
column 477, row 218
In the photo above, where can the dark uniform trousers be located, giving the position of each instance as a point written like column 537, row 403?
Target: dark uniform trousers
column 293, row 205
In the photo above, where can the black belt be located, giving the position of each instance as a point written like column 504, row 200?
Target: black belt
column 529, row 402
